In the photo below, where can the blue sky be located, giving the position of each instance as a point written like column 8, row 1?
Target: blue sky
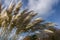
column 54, row 14
column 49, row 10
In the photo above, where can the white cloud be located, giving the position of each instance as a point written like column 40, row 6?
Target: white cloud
column 41, row 6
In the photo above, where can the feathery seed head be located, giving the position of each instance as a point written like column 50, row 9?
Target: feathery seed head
column 10, row 18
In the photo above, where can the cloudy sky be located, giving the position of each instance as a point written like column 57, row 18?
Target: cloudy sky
column 49, row 10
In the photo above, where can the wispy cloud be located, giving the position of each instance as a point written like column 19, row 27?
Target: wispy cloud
column 7, row 2
column 41, row 6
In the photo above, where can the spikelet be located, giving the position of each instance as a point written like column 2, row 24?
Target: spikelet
column 36, row 21
column 48, row 31
column 16, row 9
column 10, row 7
column 4, row 15
column 50, row 24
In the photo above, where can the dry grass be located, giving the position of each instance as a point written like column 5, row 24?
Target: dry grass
column 11, row 18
